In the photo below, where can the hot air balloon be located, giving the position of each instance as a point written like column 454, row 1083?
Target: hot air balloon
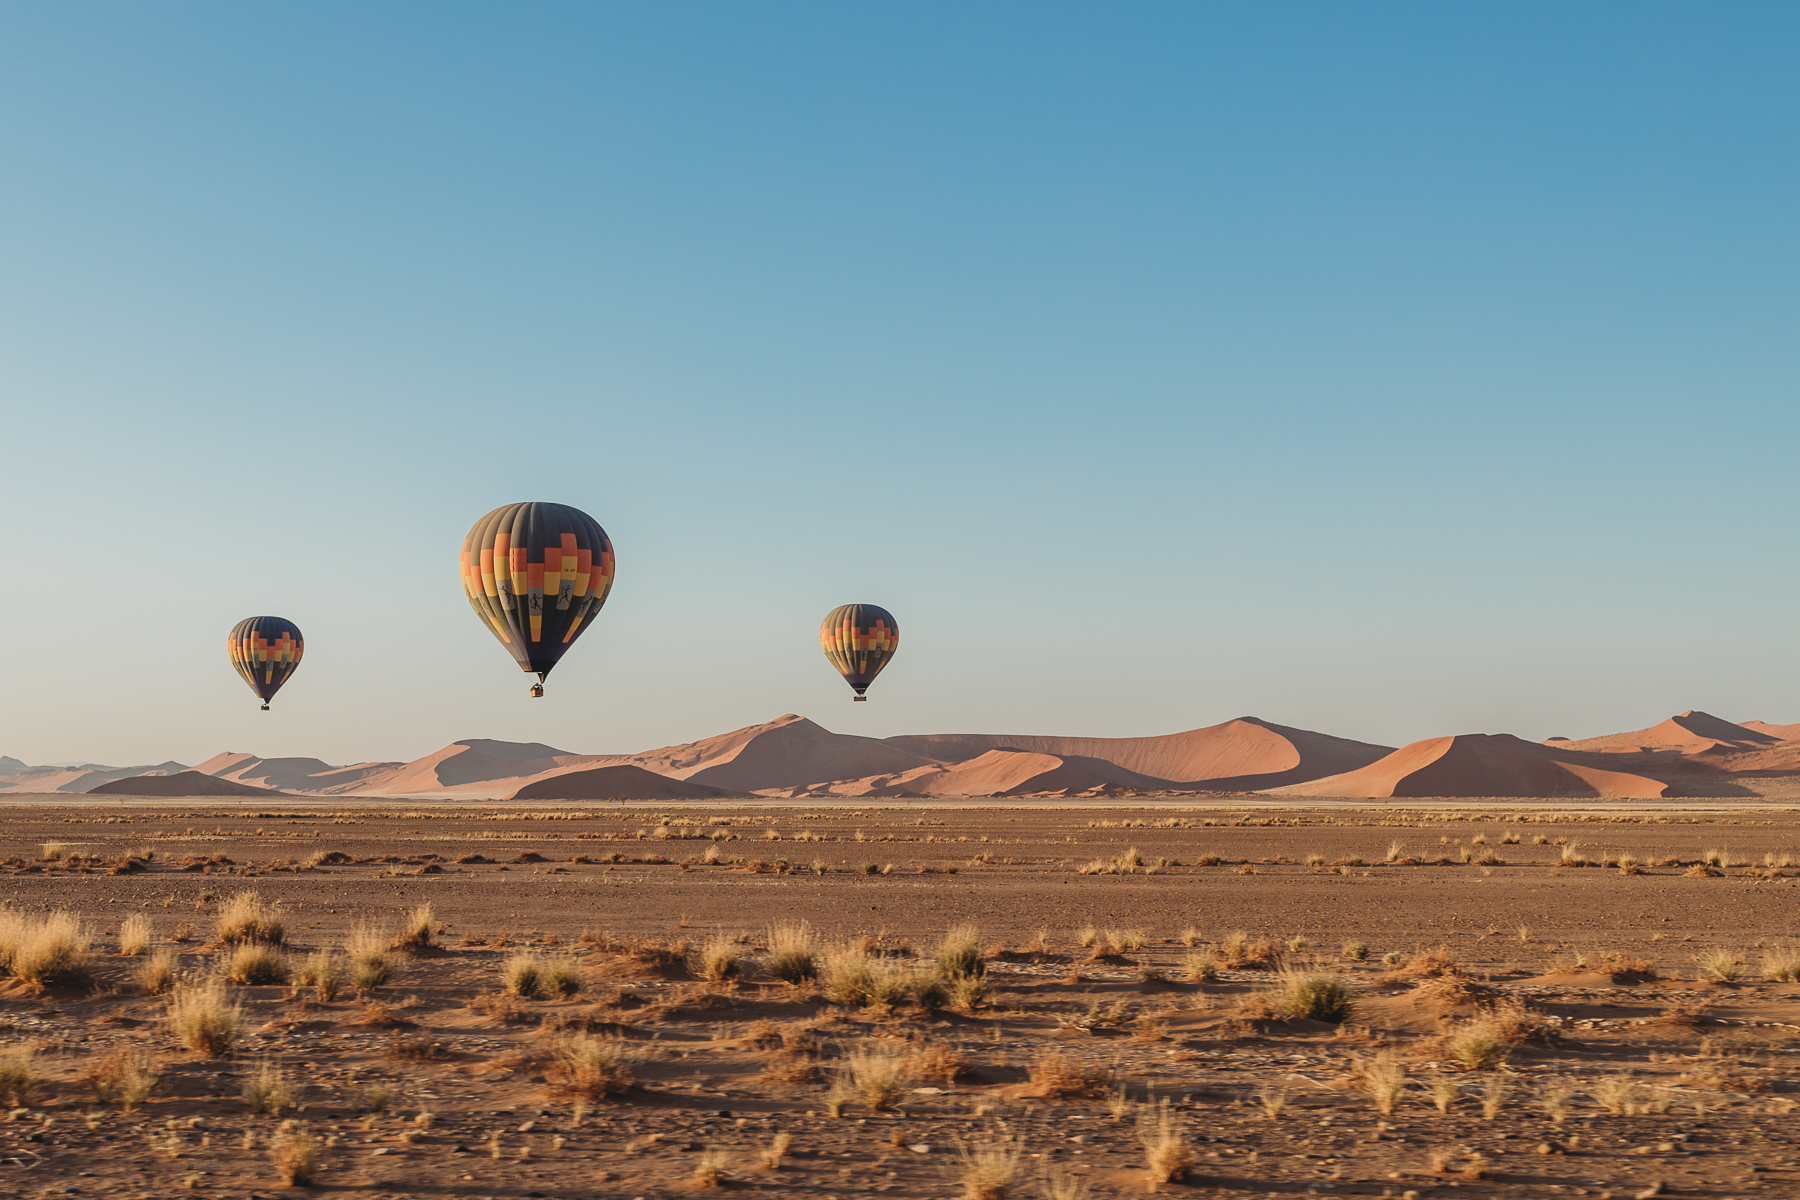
column 536, row 574
column 859, row 639
column 265, row 651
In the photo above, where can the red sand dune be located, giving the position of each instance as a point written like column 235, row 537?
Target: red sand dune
column 620, row 781
column 789, row 751
column 1690, row 732
column 1786, row 733
column 996, row 773
column 17, row 777
column 1478, row 764
column 1246, row 754
column 292, row 774
column 474, row 765
column 182, row 783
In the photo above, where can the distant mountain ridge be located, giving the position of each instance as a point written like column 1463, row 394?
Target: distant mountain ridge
column 1690, row 754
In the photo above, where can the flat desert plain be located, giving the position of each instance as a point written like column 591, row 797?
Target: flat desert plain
column 1231, row 996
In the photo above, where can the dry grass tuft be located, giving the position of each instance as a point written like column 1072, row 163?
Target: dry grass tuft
column 1721, row 964
column 1312, row 996
column 793, row 952
column 372, row 963
column 988, row 1170
column 269, row 1089
column 719, row 960
column 1166, row 1151
column 416, row 932
column 1781, row 964
column 1554, row 1096
column 125, row 1075
column 775, row 1153
column 156, row 974
column 1475, row 1046
column 18, row 1079
column 295, row 1154
column 247, row 917
column 1058, row 1073
column 959, row 954
column 1385, row 1080
column 1237, row 951
column 594, row 1068
column 204, row 1019
column 134, row 936
column 50, row 951
column 255, row 964
column 709, row 1168
column 878, row 1076
column 321, row 973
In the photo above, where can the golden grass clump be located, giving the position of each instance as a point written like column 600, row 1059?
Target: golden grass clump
column 1056, row 1072
column 269, row 1089
column 125, row 1075
column 523, row 975
column 321, row 973
column 247, row 917
column 371, row 962
column 134, row 936
column 719, row 960
column 156, row 974
column 1781, row 964
column 18, row 1079
column 593, row 1068
column 988, row 1170
column 878, row 1076
column 533, row 976
column 51, row 951
column 1168, row 1157
column 1475, row 1046
column 1385, row 1080
column 295, row 1154
column 204, row 1019
column 793, row 952
column 959, row 954
column 1313, row 996
column 1721, row 964
column 775, row 1153
column 416, row 931
column 709, row 1168
column 255, row 964
column 1237, row 951
column 1554, row 1097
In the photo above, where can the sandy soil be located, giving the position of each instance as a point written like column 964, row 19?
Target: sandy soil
column 1104, row 995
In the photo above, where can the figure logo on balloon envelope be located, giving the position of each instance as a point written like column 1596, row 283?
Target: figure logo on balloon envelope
column 265, row 651
column 536, row 574
column 859, row 639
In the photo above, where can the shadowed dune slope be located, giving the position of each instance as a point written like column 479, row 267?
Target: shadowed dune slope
column 789, row 751
column 996, row 773
column 1689, row 732
column 1246, row 754
column 182, row 783
column 1786, row 733
column 16, row 776
column 291, row 774
column 474, row 764
column 621, row 781
column 1479, row 764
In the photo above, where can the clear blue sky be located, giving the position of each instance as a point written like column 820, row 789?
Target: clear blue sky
column 1386, row 369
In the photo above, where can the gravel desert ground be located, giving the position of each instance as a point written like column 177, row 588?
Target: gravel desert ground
column 1223, row 996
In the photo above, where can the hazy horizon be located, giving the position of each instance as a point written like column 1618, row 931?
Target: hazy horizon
column 1388, row 371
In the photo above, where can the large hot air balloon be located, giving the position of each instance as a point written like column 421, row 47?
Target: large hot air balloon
column 265, row 651
column 537, row 574
column 859, row 639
